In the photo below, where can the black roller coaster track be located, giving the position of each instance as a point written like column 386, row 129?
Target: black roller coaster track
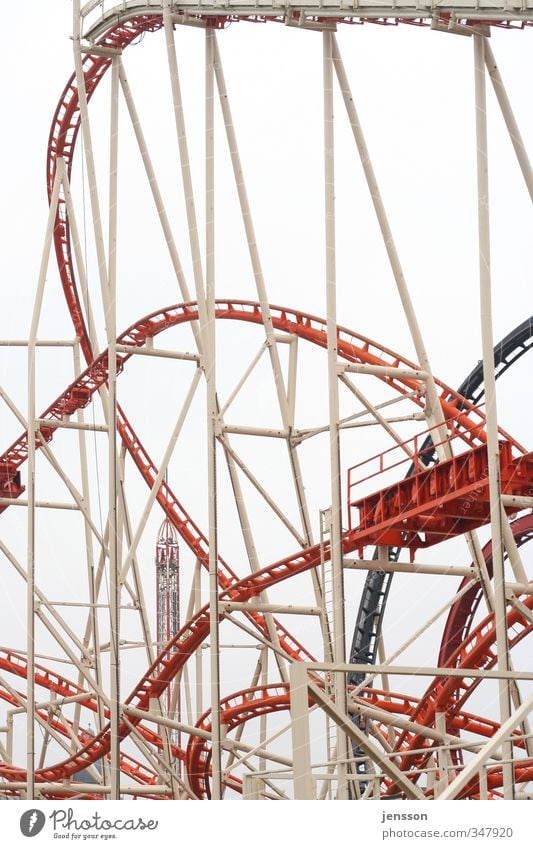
column 373, row 602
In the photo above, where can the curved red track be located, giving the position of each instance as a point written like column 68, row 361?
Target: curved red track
column 254, row 702
column 468, row 420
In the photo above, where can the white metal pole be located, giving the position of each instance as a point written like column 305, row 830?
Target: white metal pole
column 80, row 266
column 339, row 648
column 493, row 452
column 212, row 413
column 199, row 677
column 126, row 522
column 30, row 586
column 303, row 784
column 93, row 596
column 114, row 563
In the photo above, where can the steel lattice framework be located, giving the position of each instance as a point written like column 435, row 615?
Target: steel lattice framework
column 300, row 726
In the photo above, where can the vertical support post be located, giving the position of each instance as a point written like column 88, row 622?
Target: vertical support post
column 333, row 391
column 263, row 719
column 125, row 526
column 252, row 788
column 301, row 755
column 212, row 411
column 493, row 452
column 483, row 784
column 92, row 631
column 9, row 739
column 197, row 595
column 441, row 757
column 114, row 561
column 30, row 585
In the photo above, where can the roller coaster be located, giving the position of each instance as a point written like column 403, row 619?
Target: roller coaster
column 304, row 718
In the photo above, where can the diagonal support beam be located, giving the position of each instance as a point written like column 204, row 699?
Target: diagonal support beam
column 487, row 751
column 369, row 748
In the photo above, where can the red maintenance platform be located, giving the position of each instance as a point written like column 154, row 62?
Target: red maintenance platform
column 432, row 503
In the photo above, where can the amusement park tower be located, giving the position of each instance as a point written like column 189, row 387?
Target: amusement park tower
column 167, row 564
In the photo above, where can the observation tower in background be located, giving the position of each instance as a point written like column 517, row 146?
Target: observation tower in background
column 167, row 565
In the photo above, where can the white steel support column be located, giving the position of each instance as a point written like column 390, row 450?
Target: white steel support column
column 198, row 655
column 493, row 453
column 212, row 413
column 80, row 266
column 30, row 586
column 263, row 720
column 113, row 543
column 207, row 336
column 303, row 782
column 248, row 539
column 93, row 630
column 333, row 391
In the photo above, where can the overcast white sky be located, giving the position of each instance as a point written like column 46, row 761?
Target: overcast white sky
column 414, row 91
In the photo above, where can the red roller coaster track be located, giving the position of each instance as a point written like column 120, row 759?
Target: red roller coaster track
column 426, row 502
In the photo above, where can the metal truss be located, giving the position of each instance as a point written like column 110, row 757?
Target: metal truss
column 295, row 725
column 99, row 15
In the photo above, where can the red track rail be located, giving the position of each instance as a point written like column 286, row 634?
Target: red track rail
column 51, row 682
column 462, row 613
column 15, row 664
column 469, row 421
column 469, row 426
column 254, row 702
column 78, row 395
column 448, row 694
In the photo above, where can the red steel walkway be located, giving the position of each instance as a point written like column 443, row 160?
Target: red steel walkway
column 436, row 503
